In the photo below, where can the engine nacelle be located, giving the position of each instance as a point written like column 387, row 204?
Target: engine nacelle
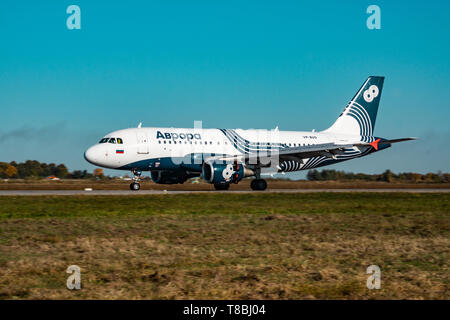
column 219, row 173
column 170, row 177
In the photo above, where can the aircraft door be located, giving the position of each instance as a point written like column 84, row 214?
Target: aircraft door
column 142, row 142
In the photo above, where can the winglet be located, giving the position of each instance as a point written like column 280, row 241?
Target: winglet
column 374, row 144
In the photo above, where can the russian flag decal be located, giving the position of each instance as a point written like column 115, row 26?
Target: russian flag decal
column 119, row 151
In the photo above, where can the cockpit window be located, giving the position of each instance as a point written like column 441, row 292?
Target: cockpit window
column 111, row 140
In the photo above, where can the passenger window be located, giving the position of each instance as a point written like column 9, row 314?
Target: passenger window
column 112, row 140
column 119, row 141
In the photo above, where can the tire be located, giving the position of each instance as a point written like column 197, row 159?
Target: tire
column 262, row 185
column 258, row 185
column 222, row 186
column 135, row 186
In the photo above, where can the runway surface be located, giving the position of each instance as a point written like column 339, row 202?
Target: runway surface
column 151, row 192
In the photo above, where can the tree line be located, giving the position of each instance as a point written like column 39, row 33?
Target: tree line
column 386, row 176
column 36, row 169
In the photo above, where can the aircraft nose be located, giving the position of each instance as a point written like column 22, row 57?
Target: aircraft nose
column 92, row 155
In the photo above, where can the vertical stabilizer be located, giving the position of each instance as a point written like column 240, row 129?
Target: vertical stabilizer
column 358, row 118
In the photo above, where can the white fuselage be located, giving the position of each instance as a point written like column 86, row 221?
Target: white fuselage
column 141, row 144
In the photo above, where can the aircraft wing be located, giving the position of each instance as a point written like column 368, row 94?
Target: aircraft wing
column 299, row 153
column 330, row 150
column 294, row 153
column 304, row 152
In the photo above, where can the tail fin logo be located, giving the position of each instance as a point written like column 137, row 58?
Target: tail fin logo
column 371, row 93
column 360, row 114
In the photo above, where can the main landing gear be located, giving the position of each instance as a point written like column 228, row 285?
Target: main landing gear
column 135, row 185
column 258, row 185
column 222, row 186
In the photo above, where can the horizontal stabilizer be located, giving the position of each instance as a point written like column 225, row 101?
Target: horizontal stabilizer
column 396, row 140
column 379, row 142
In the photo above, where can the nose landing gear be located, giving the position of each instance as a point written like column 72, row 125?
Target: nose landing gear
column 135, row 185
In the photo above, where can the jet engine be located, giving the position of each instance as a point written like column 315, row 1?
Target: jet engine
column 171, row 177
column 222, row 173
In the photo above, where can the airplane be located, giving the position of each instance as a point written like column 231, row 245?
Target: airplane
column 226, row 156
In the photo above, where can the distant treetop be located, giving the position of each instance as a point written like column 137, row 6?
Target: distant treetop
column 36, row 169
column 386, row 176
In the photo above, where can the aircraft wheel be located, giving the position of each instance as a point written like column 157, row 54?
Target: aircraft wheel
column 135, row 186
column 222, row 186
column 258, row 185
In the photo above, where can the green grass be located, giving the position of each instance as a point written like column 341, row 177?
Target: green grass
column 78, row 206
column 226, row 246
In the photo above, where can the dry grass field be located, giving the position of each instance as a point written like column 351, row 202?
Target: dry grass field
column 147, row 184
column 226, row 246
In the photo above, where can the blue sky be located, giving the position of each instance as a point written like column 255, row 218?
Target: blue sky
column 233, row 64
